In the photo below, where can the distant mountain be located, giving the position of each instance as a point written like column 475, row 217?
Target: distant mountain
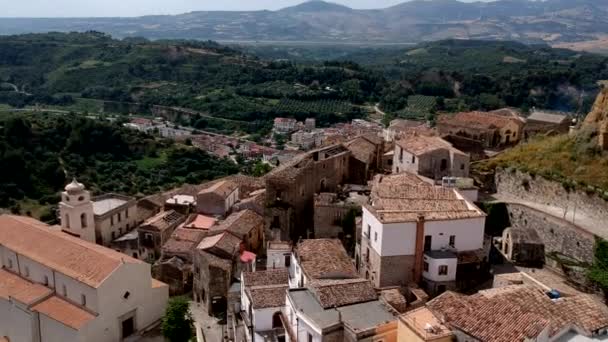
column 568, row 22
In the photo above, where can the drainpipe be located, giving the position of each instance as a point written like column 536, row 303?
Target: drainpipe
column 419, row 256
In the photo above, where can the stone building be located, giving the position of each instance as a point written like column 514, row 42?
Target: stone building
column 523, row 247
column 56, row 288
column 183, row 204
column 414, row 232
column 247, row 225
column 98, row 219
column 284, row 125
column 156, row 231
column 400, row 127
column 430, row 157
column 218, row 261
column 366, row 158
column 329, row 212
column 217, row 199
column 290, row 189
column 490, row 129
column 545, row 122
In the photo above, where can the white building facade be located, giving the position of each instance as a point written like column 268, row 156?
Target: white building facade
column 99, row 219
column 56, row 287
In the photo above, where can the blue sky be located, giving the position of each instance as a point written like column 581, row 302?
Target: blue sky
column 99, row 8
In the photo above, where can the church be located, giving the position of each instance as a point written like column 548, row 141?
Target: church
column 100, row 219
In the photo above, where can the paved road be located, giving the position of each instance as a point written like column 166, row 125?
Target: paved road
column 208, row 329
column 568, row 213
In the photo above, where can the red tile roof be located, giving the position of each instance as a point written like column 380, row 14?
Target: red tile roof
column 264, row 278
column 421, row 144
column 83, row 261
column 241, row 223
column 201, row 222
column 337, row 293
column 479, row 120
column 13, row 286
column 64, row 312
column 517, row 312
column 263, row 297
column 325, row 259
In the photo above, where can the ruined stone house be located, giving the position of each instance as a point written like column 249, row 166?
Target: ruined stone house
column 290, row 189
column 490, row 129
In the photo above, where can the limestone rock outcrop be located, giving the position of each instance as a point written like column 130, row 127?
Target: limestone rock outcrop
column 599, row 112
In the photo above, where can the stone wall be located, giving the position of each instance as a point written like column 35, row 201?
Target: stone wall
column 559, row 236
column 539, row 190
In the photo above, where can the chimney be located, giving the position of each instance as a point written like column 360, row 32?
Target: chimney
column 419, row 256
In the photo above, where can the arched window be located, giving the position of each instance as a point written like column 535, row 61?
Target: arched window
column 67, row 221
column 83, row 220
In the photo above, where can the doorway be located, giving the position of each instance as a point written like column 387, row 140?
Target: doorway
column 128, row 327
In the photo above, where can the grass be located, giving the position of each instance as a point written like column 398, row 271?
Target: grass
column 575, row 161
column 150, row 163
column 82, row 105
column 33, row 208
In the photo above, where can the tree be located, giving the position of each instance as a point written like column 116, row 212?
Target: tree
column 261, row 169
column 177, row 323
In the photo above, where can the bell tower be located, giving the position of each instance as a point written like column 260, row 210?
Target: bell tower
column 76, row 210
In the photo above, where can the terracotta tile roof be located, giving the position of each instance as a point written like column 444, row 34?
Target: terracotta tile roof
column 225, row 242
column 240, row 223
column 201, row 222
column 64, row 312
column 265, row 278
column 517, row 312
column 163, row 221
column 362, row 149
column 13, row 286
column 263, row 297
column 222, row 188
column 156, row 284
column 183, row 240
column 421, row 144
column 419, row 320
column 479, row 120
column 393, row 185
column 325, row 259
column 405, row 197
column 337, row 293
column 83, row 261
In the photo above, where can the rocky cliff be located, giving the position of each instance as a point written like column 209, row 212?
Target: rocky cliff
column 599, row 112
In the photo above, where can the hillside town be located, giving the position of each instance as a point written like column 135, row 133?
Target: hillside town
column 366, row 233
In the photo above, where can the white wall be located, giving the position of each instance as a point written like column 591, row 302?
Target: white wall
column 110, row 225
column 37, row 272
column 298, row 324
column 262, row 318
column 16, row 323
column 393, row 238
column 149, row 303
column 276, row 258
column 433, row 272
column 53, row 331
column 295, row 273
column 75, row 290
column 468, row 232
column 405, row 163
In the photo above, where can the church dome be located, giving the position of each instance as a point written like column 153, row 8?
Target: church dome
column 74, row 187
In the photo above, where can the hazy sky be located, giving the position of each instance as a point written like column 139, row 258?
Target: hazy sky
column 98, row 8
